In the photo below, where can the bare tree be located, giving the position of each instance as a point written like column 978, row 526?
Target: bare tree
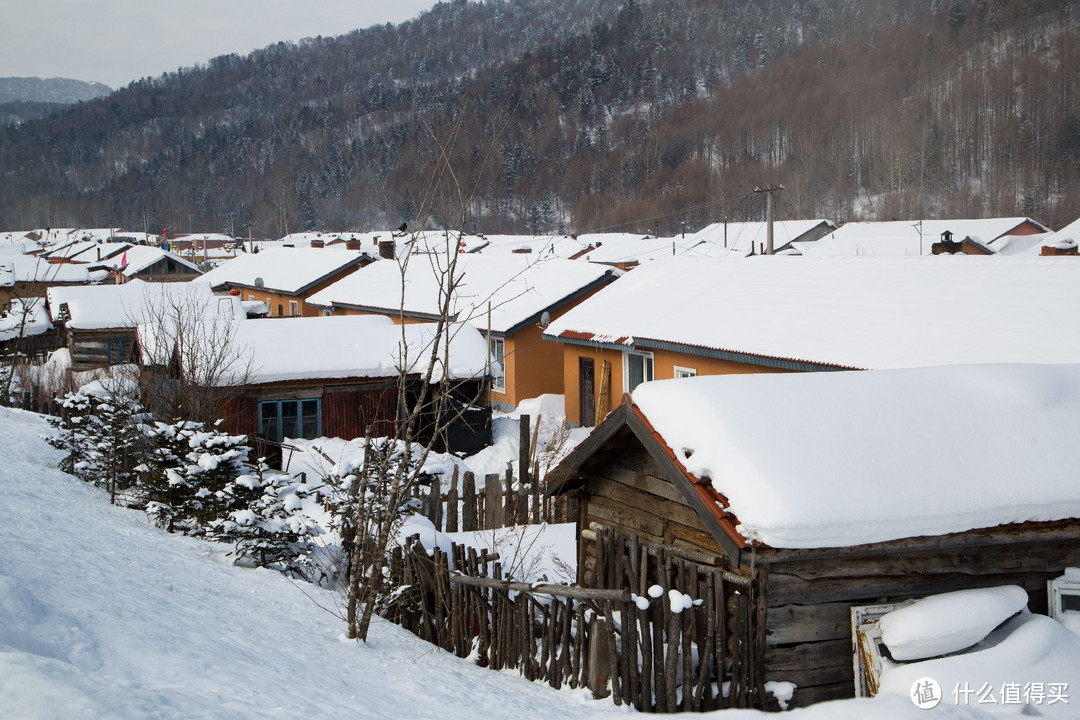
column 426, row 387
column 192, row 363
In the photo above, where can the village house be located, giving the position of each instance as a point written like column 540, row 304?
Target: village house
column 285, row 278
column 898, row 238
column 508, row 298
column 681, row 317
column 7, row 282
column 98, row 323
column 340, row 377
column 813, row 494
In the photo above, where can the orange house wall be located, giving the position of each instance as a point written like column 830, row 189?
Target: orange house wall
column 283, row 299
column 664, row 362
column 533, row 366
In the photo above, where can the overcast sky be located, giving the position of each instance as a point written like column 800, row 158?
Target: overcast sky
column 117, row 41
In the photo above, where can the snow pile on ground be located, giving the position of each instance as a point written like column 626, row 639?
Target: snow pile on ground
column 529, row 553
column 554, row 439
column 949, row 622
column 1028, row 666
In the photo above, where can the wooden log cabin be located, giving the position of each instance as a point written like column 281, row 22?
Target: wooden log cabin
column 339, row 377
column 98, row 323
column 832, row 490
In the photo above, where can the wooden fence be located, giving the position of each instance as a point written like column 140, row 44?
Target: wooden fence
column 641, row 650
column 494, row 502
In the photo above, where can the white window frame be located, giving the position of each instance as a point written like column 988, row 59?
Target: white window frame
column 251, row 298
column 684, row 372
column 328, row 312
column 498, row 384
column 626, row 367
column 294, row 308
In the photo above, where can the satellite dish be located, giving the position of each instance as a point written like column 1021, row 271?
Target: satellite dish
column 545, row 320
column 259, row 283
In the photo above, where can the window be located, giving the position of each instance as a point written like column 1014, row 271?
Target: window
column 294, row 308
column 119, row 351
column 251, row 298
column 498, row 352
column 280, row 419
column 280, row 311
column 639, row 369
column 328, row 312
column 685, row 372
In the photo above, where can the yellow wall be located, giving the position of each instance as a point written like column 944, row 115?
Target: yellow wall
column 664, row 362
column 274, row 298
column 533, row 366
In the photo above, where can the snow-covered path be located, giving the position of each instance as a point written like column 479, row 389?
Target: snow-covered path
column 103, row 616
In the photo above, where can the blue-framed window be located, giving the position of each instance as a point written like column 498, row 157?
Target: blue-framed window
column 280, row 419
column 119, row 350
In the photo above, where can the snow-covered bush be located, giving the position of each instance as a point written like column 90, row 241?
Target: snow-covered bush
column 75, row 435
column 264, row 517
column 187, row 467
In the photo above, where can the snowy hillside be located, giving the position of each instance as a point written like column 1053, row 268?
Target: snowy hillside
column 102, row 615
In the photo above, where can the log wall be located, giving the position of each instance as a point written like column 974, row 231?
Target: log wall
column 809, row 595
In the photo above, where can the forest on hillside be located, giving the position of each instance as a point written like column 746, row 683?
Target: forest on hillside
column 584, row 116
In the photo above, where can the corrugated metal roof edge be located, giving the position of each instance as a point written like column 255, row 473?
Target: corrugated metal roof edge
column 780, row 363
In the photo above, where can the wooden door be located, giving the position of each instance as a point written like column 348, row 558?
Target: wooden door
column 587, row 386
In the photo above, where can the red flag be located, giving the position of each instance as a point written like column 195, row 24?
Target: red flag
column 123, row 261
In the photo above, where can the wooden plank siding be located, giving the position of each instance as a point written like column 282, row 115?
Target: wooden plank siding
column 807, row 630
column 90, row 348
column 353, row 413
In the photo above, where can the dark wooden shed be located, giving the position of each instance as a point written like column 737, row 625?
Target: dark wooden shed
column 626, row 477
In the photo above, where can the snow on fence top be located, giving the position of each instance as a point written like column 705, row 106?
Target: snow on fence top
column 518, row 287
column 288, row 270
column 871, row 313
column 137, row 302
column 353, row 347
column 838, row 459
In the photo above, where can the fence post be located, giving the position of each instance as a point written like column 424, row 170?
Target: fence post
column 468, row 498
column 493, row 509
column 599, row 658
column 452, row 504
column 435, row 502
column 524, row 453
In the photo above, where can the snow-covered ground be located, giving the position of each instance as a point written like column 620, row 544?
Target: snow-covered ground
column 104, row 616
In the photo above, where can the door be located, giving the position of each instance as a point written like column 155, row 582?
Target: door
column 587, row 386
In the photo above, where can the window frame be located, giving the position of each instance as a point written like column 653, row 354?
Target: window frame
column 684, row 372
column 498, row 384
column 645, row 355
column 122, row 350
column 278, row 418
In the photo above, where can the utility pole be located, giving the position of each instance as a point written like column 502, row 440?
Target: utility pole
column 769, row 214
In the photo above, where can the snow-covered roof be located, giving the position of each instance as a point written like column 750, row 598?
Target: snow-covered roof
column 352, row 347
column 286, row 270
column 31, row 268
column 136, row 258
column 875, row 456
column 7, row 275
column 902, row 237
column 747, row 238
column 1069, row 232
column 518, row 287
column 873, row 313
column 1019, row 244
column 26, row 318
column 135, row 302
